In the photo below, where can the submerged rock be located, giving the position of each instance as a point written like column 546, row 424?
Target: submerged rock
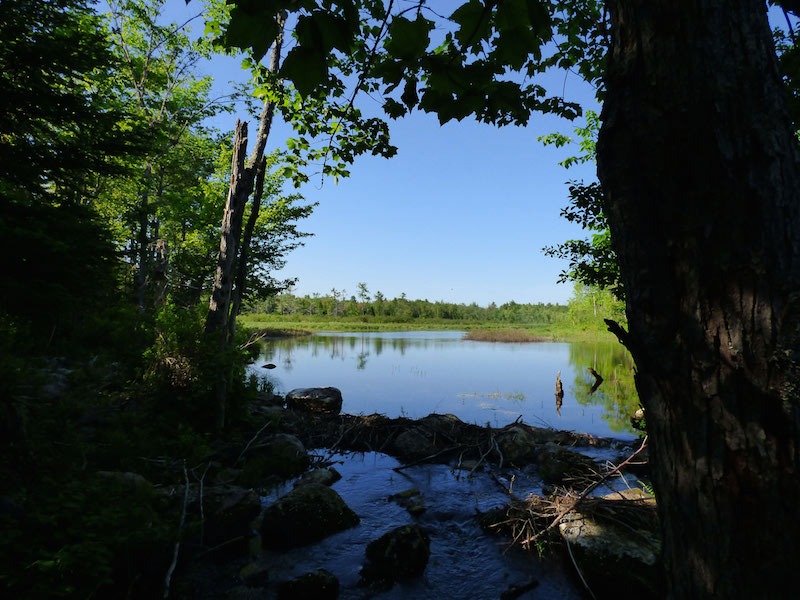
column 411, row 500
column 319, row 400
column 317, row 585
column 306, row 514
column 398, row 554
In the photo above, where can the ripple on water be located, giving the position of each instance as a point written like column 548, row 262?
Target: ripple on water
column 465, row 563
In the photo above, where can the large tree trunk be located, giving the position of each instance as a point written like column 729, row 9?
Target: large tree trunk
column 700, row 167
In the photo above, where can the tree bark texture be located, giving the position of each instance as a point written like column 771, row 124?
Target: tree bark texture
column 218, row 318
column 700, row 167
column 238, row 192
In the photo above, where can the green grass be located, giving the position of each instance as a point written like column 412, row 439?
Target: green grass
column 476, row 330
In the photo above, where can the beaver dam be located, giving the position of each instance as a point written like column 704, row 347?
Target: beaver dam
column 369, row 506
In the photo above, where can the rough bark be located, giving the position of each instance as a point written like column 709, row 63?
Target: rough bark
column 239, row 190
column 700, row 167
column 220, row 303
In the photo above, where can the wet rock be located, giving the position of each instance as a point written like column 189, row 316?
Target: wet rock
column 320, row 400
column 617, row 558
column 327, row 476
column 518, row 445
column 515, row 590
column 306, row 514
column 280, row 454
column 559, row 465
column 317, row 585
column 254, row 575
column 411, row 500
column 398, row 554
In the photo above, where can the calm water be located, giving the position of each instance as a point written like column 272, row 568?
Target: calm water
column 419, row 372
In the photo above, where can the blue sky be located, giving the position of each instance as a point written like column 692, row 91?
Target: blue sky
column 460, row 214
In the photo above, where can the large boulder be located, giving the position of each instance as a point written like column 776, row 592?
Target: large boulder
column 319, row 400
column 317, row 585
column 280, row 455
column 398, row 554
column 307, row 514
column 618, row 555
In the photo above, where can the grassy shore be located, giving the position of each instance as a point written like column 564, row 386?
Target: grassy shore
column 283, row 326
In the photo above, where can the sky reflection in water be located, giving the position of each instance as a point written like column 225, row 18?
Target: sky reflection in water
column 416, row 373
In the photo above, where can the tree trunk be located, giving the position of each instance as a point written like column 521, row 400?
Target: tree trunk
column 241, row 267
column 700, row 167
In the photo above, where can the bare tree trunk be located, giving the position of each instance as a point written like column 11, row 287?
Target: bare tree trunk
column 220, row 323
column 700, row 166
column 241, row 267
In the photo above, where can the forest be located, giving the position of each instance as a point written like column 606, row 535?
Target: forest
column 141, row 247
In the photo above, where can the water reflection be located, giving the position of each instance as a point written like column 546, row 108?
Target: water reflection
column 615, row 391
column 416, row 373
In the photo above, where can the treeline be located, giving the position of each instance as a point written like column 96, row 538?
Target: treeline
column 403, row 310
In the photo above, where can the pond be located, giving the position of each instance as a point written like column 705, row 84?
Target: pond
column 415, row 373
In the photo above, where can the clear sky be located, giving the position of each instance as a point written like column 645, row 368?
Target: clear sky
column 460, row 214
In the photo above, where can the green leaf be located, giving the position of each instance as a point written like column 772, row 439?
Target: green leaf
column 408, row 40
column 393, row 108
column 305, row 68
column 253, row 30
column 475, row 25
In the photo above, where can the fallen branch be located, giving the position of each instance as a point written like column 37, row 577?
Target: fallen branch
column 174, row 563
column 582, row 496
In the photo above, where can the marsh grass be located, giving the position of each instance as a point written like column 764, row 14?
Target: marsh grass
column 506, row 335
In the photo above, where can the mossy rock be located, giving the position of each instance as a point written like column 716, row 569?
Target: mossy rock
column 305, row 515
column 398, row 554
column 317, row 585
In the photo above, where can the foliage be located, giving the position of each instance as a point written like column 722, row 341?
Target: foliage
column 400, row 310
column 592, row 261
column 474, row 68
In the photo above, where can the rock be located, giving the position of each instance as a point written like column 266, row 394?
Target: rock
column 306, row 514
column 229, row 512
column 317, row 585
column 130, row 481
column 515, row 590
column 558, row 465
column 327, row 476
column 400, row 553
column 280, row 454
column 413, row 444
column 411, row 500
column 254, row 575
column 322, row 400
column 268, row 366
column 616, row 559
column 518, row 444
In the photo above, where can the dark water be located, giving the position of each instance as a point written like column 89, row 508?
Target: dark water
column 465, row 563
column 416, row 373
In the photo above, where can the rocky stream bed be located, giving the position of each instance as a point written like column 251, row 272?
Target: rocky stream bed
column 316, row 504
